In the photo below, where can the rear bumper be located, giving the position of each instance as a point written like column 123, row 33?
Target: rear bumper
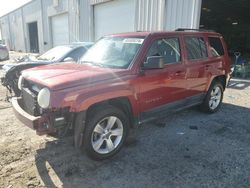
column 40, row 123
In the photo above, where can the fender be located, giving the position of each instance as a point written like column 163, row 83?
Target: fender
column 216, row 71
column 83, row 102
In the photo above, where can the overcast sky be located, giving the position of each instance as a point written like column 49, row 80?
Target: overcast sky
column 9, row 5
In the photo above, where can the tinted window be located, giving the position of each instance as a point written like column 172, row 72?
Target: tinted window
column 168, row 48
column 77, row 53
column 196, row 48
column 216, row 46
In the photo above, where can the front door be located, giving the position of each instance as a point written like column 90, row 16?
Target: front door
column 159, row 87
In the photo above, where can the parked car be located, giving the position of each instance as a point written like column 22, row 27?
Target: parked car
column 59, row 54
column 4, row 53
column 124, row 80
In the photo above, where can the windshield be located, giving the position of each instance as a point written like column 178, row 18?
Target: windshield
column 55, row 54
column 113, row 52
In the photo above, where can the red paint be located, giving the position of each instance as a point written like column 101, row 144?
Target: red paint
column 80, row 86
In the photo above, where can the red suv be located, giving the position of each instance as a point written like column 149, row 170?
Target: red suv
column 122, row 81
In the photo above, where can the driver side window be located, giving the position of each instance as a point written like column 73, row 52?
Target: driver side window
column 168, row 48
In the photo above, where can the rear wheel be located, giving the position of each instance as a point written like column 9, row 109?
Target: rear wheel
column 213, row 98
column 105, row 133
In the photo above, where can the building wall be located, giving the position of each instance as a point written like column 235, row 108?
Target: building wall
column 16, row 31
column 15, row 24
column 94, row 2
column 46, row 6
column 155, row 15
column 114, row 17
column 149, row 15
column 182, row 14
column 74, row 20
column 32, row 13
column 86, row 21
column 49, row 9
column 5, row 31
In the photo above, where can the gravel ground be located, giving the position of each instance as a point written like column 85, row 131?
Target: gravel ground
column 193, row 150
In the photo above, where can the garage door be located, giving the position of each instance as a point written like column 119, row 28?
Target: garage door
column 60, row 29
column 114, row 17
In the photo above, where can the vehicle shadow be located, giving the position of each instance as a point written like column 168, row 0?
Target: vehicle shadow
column 239, row 84
column 170, row 156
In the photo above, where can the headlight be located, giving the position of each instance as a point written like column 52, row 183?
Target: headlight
column 20, row 82
column 43, row 98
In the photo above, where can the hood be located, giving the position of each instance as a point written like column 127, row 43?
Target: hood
column 62, row 76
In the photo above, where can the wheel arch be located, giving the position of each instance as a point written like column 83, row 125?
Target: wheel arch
column 221, row 78
column 122, row 103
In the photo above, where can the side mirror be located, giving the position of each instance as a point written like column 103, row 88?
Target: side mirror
column 68, row 59
column 154, row 62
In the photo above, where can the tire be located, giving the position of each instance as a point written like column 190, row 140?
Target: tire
column 213, row 99
column 105, row 132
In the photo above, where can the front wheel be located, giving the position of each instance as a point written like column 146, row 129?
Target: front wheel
column 105, row 133
column 213, row 98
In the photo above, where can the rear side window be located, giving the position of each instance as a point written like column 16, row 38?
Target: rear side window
column 216, row 46
column 196, row 48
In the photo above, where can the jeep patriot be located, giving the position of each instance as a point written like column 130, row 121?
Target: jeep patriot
column 124, row 80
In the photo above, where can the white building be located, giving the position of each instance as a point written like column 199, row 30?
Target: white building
column 41, row 24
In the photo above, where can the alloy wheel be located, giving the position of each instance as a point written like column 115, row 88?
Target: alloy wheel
column 107, row 135
column 215, row 97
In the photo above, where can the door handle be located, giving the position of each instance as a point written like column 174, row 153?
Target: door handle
column 178, row 73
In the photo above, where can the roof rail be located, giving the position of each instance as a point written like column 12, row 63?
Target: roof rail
column 189, row 29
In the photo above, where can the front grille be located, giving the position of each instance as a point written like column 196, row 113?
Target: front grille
column 29, row 86
column 29, row 102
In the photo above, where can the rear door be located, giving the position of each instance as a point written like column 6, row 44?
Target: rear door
column 161, row 86
column 198, row 63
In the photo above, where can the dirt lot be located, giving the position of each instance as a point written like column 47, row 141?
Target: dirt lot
column 193, row 150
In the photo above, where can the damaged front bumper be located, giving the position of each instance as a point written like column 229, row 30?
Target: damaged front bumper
column 44, row 124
